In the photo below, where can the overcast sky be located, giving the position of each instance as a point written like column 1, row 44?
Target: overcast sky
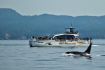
column 57, row 7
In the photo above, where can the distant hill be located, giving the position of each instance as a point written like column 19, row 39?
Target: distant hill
column 15, row 26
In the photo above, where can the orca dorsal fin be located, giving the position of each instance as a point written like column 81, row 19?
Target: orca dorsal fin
column 88, row 50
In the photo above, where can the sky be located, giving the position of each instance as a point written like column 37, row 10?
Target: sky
column 56, row 7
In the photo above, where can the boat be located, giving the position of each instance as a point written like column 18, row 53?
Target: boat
column 69, row 38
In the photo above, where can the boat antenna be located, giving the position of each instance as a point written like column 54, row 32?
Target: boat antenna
column 71, row 25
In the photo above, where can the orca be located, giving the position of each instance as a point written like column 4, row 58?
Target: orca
column 86, row 53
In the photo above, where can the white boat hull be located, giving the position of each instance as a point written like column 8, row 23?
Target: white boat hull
column 53, row 43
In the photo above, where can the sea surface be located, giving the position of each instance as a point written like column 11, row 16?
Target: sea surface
column 17, row 55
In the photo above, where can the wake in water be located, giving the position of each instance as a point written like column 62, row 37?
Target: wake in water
column 95, row 45
column 101, row 55
column 98, row 45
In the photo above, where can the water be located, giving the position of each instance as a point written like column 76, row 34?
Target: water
column 17, row 55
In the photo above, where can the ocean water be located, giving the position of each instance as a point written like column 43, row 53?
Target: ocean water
column 17, row 55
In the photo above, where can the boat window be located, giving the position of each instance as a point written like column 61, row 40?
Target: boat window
column 65, row 37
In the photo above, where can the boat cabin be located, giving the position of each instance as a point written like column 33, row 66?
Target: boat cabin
column 70, row 34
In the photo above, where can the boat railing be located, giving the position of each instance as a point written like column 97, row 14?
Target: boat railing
column 67, row 32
